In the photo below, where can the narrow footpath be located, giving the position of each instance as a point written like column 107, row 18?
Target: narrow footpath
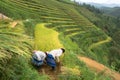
column 100, row 68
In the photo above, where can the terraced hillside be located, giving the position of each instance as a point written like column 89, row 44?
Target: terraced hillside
column 15, row 48
column 77, row 33
column 61, row 16
column 110, row 25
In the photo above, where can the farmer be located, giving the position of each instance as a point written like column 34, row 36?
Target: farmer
column 53, row 57
column 38, row 58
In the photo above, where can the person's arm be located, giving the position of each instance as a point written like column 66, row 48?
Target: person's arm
column 57, row 59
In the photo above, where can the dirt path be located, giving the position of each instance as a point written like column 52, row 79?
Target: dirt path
column 53, row 75
column 99, row 68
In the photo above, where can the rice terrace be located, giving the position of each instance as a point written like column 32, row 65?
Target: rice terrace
column 90, row 37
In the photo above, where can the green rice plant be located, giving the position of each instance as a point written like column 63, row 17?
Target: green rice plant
column 15, row 55
column 45, row 38
column 13, row 43
column 70, row 60
column 20, row 45
column 69, row 77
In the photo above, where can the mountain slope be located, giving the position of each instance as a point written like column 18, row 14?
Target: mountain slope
column 76, row 33
column 112, row 11
column 110, row 25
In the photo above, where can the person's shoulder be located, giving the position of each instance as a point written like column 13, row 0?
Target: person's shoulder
column 55, row 50
column 39, row 52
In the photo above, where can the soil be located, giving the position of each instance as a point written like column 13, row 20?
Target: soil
column 100, row 68
column 47, row 70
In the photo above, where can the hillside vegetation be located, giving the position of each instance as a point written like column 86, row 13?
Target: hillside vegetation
column 45, row 25
column 110, row 25
column 45, row 37
column 115, row 11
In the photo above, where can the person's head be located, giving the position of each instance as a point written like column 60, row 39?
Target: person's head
column 63, row 50
column 45, row 53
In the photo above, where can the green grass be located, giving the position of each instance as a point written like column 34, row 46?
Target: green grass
column 38, row 13
column 46, row 39
column 71, row 61
column 15, row 49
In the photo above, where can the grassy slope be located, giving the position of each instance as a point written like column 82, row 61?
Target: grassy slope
column 101, row 49
column 71, row 66
column 15, row 53
column 46, row 39
column 65, row 19
column 110, row 25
